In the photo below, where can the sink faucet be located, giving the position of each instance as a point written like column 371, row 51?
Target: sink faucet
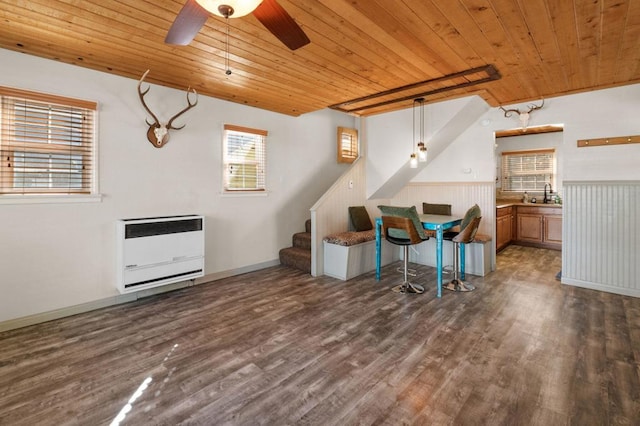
column 547, row 196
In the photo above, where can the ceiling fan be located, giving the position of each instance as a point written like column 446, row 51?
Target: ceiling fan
column 194, row 14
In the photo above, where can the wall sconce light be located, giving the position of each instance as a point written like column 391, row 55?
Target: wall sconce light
column 419, row 150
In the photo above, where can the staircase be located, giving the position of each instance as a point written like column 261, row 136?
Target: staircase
column 299, row 256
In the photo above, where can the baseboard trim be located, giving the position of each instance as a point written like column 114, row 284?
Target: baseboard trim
column 601, row 287
column 238, row 271
column 26, row 321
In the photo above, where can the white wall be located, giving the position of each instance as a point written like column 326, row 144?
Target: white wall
column 603, row 113
column 58, row 255
column 390, row 139
column 54, row 256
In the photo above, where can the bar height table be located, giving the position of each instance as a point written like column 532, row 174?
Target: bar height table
column 432, row 222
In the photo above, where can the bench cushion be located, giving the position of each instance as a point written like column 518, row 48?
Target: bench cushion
column 351, row 238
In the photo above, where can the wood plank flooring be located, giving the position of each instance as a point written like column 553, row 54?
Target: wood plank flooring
column 279, row 347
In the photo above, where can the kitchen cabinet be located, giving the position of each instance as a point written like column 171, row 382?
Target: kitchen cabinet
column 539, row 226
column 552, row 228
column 504, row 227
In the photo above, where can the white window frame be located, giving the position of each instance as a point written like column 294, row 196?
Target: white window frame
column 537, row 167
column 40, row 145
column 255, row 142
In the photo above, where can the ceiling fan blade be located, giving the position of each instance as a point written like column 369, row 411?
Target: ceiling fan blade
column 281, row 24
column 191, row 18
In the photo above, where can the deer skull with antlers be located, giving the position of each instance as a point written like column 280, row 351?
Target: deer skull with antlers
column 522, row 115
column 158, row 133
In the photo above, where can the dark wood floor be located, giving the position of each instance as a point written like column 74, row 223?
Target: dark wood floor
column 279, row 347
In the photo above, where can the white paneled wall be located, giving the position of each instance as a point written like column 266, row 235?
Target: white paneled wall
column 601, row 236
column 461, row 196
column 330, row 213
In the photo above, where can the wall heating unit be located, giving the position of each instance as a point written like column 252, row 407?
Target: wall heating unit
column 157, row 251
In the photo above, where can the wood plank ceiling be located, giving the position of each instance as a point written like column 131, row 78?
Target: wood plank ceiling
column 541, row 48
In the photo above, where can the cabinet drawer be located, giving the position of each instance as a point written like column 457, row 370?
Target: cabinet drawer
column 504, row 211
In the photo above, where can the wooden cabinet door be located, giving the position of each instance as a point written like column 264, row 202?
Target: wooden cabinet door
column 530, row 228
column 503, row 232
column 553, row 229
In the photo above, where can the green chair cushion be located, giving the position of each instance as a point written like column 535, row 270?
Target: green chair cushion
column 444, row 209
column 472, row 213
column 409, row 212
column 360, row 219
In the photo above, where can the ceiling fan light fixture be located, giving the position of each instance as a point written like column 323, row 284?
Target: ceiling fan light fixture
column 229, row 8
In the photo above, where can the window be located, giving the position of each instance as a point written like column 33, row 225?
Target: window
column 527, row 170
column 46, row 143
column 347, row 145
column 244, row 159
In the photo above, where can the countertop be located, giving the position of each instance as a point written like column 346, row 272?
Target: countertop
column 508, row 203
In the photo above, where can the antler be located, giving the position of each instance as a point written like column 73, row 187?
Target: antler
column 508, row 112
column 158, row 133
column 534, row 107
column 189, row 106
column 141, row 94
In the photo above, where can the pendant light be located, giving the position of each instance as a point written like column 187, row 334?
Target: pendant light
column 422, row 149
column 419, row 150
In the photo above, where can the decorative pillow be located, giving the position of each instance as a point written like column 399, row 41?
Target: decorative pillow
column 409, row 212
column 360, row 219
column 444, row 209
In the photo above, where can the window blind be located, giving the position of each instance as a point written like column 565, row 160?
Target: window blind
column 244, row 159
column 527, row 170
column 46, row 144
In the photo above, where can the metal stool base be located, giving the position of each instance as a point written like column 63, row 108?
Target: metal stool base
column 459, row 285
column 456, row 284
column 408, row 287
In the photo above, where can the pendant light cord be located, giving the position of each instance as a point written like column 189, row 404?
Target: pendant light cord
column 413, row 141
column 226, row 50
column 422, row 121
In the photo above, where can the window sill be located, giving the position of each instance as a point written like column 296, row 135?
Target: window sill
column 50, row 199
column 232, row 194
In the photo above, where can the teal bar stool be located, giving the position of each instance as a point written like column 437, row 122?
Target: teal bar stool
column 474, row 211
column 465, row 236
column 402, row 231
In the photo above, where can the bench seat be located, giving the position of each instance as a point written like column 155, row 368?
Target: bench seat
column 351, row 253
column 477, row 254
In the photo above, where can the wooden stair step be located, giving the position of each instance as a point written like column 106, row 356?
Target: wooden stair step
column 302, row 240
column 296, row 257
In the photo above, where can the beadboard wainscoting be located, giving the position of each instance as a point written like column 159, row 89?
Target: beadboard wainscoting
column 601, row 236
column 330, row 213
